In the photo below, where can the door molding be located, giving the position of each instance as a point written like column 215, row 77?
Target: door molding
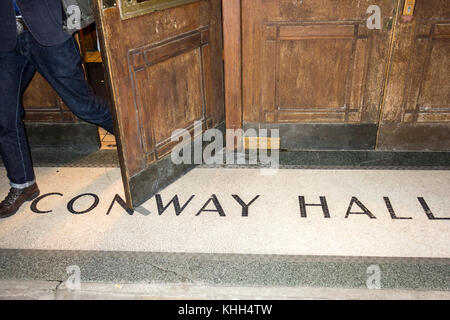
column 232, row 39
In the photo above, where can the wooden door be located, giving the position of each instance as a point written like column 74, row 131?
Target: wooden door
column 314, row 70
column 165, row 70
column 416, row 111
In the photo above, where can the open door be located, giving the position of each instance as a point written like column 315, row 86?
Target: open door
column 163, row 60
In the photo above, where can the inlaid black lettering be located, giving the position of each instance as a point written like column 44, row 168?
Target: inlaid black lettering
column 428, row 212
column 244, row 205
column 176, row 204
column 216, row 203
column 391, row 210
column 323, row 203
column 34, row 204
column 92, row 207
column 122, row 203
column 362, row 206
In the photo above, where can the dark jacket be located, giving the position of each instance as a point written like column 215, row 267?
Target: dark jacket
column 43, row 18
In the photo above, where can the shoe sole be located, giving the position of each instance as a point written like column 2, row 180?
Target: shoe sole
column 31, row 198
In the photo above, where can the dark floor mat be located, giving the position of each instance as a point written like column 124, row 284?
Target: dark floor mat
column 298, row 159
column 74, row 158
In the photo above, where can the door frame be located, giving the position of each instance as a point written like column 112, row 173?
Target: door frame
column 232, row 43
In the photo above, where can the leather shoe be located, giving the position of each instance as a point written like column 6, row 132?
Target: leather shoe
column 16, row 198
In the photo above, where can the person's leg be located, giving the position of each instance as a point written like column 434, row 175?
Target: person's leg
column 61, row 66
column 15, row 73
column 14, row 148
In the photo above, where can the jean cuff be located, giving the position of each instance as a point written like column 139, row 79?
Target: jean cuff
column 22, row 185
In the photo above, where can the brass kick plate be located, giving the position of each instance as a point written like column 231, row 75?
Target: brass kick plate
column 252, row 143
column 135, row 8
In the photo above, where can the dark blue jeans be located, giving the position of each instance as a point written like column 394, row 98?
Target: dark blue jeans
column 61, row 66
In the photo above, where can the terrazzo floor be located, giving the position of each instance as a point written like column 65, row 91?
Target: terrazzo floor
column 381, row 213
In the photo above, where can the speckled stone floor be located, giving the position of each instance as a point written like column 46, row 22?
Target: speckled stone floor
column 396, row 221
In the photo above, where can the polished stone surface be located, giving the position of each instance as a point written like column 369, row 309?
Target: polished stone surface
column 274, row 224
column 273, row 246
column 225, row 269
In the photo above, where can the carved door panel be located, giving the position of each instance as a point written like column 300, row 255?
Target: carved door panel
column 165, row 71
column 314, row 70
column 416, row 112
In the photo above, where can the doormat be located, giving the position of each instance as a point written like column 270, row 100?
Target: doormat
column 69, row 157
column 368, row 213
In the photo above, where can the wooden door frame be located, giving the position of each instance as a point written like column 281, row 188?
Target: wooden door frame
column 232, row 46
